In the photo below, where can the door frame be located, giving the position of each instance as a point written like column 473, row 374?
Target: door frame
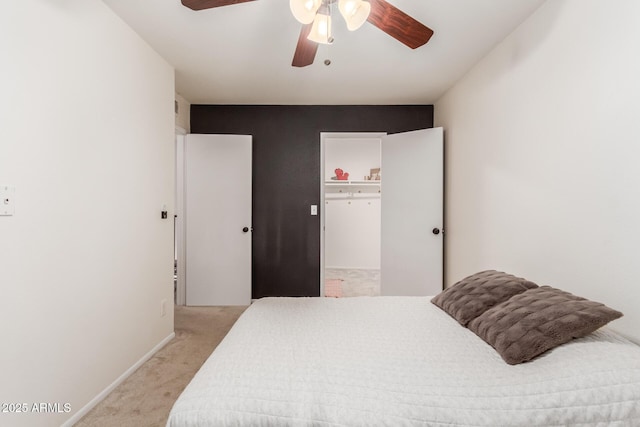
column 181, row 290
column 323, row 136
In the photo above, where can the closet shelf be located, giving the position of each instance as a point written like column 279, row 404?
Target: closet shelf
column 336, row 183
column 352, row 187
column 352, row 196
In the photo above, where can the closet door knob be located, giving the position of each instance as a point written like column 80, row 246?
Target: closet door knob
column 436, row 231
column 245, row 229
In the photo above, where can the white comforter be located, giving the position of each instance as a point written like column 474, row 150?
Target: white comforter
column 399, row 361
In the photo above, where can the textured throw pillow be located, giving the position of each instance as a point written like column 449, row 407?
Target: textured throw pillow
column 538, row 320
column 474, row 295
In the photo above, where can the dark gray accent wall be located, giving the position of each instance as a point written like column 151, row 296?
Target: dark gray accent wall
column 286, row 178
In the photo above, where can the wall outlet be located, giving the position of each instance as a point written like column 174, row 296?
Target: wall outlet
column 163, row 308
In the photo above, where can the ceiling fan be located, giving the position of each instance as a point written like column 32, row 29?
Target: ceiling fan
column 315, row 15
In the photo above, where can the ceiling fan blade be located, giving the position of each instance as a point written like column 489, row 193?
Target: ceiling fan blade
column 210, row 4
column 398, row 24
column 305, row 50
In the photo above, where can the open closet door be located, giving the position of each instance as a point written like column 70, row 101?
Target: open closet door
column 412, row 218
column 218, row 219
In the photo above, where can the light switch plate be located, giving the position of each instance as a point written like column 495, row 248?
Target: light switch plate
column 314, row 209
column 7, row 203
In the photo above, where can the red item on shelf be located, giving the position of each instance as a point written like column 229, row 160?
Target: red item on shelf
column 342, row 175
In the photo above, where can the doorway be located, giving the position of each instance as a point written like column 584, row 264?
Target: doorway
column 351, row 214
column 382, row 224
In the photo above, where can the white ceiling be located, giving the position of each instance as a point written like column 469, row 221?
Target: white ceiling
column 241, row 54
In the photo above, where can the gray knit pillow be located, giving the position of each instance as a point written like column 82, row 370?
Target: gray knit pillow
column 538, row 320
column 474, row 295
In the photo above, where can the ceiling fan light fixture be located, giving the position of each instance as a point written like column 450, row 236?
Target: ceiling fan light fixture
column 321, row 29
column 304, row 10
column 354, row 12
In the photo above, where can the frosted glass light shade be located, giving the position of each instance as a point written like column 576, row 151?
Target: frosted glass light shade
column 321, row 29
column 304, row 10
column 354, row 12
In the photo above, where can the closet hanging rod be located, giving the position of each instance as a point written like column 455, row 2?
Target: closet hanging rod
column 341, row 191
column 354, row 197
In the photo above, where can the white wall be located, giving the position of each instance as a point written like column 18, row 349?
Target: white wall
column 355, row 156
column 543, row 145
column 88, row 122
column 352, row 232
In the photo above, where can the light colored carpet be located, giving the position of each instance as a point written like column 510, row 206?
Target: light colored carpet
column 355, row 282
column 333, row 288
column 146, row 397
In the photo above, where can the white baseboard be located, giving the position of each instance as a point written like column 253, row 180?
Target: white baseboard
column 89, row 406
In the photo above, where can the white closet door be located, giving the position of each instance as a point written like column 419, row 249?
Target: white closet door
column 218, row 219
column 412, row 198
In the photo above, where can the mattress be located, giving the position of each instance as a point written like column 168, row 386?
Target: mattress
column 399, row 361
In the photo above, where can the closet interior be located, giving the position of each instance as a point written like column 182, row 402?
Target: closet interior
column 352, row 216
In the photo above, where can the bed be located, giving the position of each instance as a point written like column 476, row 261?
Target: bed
column 400, row 361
